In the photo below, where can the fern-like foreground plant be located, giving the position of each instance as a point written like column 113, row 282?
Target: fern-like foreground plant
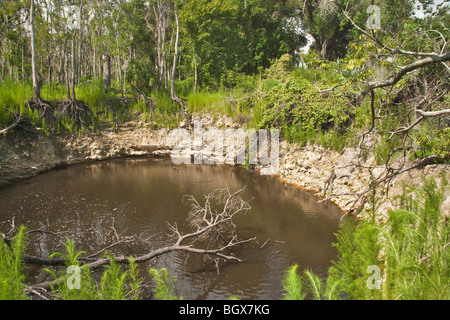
column 411, row 251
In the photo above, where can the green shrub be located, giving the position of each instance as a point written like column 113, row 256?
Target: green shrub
column 411, row 250
column 293, row 286
column 165, row 284
column 12, row 279
column 297, row 103
column 436, row 142
column 115, row 283
column 417, row 253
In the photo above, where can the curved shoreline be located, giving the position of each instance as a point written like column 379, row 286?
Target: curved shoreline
column 307, row 168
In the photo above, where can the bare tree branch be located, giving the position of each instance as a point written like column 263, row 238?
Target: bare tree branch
column 431, row 114
column 446, row 66
column 405, row 129
column 15, row 124
column 212, row 226
column 438, row 58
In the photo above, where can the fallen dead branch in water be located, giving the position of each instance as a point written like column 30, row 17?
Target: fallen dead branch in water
column 212, row 234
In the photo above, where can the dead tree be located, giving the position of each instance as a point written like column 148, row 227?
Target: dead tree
column 329, row 184
column 421, row 110
column 36, row 87
column 161, row 13
column 18, row 121
column 212, row 234
column 174, row 68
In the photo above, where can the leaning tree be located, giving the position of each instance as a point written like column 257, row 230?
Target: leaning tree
column 401, row 70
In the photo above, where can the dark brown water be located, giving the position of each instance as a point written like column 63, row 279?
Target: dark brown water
column 139, row 196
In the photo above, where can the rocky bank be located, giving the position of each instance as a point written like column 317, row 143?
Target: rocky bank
column 307, row 167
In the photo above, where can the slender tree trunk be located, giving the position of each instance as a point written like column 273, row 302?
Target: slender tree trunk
column 106, row 72
column 126, row 71
column 66, row 74
column 50, row 69
column 175, row 59
column 323, row 50
column 119, row 67
column 161, row 12
column 74, row 97
column 62, row 63
column 36, row 86
column 80, row 64
column 23, row 65
column 11, row 68
column 174, row 69
column 195, row 74
column 95, row 62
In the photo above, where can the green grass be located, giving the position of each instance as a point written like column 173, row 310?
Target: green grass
column 209, row 102
column 13, row 95
column 93, row 93
column 12, row 276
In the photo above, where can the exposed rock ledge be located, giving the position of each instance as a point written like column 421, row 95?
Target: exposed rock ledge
column 307, row 167
column 311, row 166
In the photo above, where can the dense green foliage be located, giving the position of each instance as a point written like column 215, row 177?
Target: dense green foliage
column 240, row 58
column 11, row 268
column 410, row 249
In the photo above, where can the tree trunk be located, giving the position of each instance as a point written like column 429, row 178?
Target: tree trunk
column 195, row 74
column 174, row 69
column 106, row 72
column 95, row 62
column 74, row 97
column 50, row 69
column 161, row 12
column 66, row 74
column 36, row 86
column 23, row 63
column 175, row 58
column 323, row 49
column 80, row 64
column 119, row 67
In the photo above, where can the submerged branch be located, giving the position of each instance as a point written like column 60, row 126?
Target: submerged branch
column 218, row 226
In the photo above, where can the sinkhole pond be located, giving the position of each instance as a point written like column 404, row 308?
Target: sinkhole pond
column 94, row 203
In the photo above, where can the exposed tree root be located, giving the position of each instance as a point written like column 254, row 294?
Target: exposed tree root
column 76, row 109
column 44, row 108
